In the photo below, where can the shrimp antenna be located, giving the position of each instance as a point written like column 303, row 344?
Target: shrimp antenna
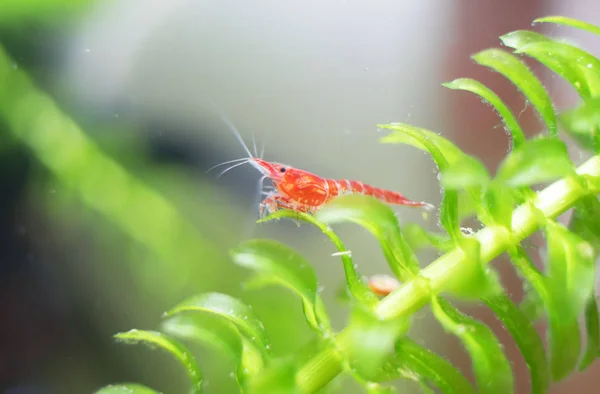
column 237, row 135
column 226, row 162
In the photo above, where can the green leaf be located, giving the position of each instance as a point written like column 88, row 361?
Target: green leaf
column 563, row 333
column 415, row 362
column 231, row 309
column 126, row 388
column 219, row 334
column 279, row 378
column 499, row 203
column 276, row 263
column 510, row 122
column 557, row 56
column 371, row 342
column 444, row 153
column 357, row 288
column 526, row 337
column 562, row 20
column 571, row 270
column 492, row 370
column 572, row 56
column 177, row 349
column 379, row 219
column 592, row 326
column 571, row 280
column 466, row 172
column 537, row 161
column 418, row 238
column 583, row 124
column 519, row 74
column 477, row 280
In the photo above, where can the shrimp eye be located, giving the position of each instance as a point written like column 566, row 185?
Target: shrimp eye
column 282, row 169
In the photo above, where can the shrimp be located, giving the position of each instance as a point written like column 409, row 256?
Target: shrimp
column 306, row 192
column 302, row 191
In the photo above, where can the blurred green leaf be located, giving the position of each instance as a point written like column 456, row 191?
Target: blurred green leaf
column 510, row 122
column 492, row 370
column 418, row 238
column 571, row 281
column 519, row 74
column 14, row 12
column 571, row 270
column 477, row 280
column 539, row 160
column 583, row 124
column 174, row 347
column 412, row 361
column 549, row 54
column 466, row 172
column 231, row 309
column 444, row 153
column 277, row 263
column 126, row 388
column 371, row 342
column 563, row 332
column 499, row 203
column 380, row 220
column 357, row 288
column 219, row 334
column 526, row 337
column 376, row 388
column 562, row 20
column 278, row 378
column 592, row 327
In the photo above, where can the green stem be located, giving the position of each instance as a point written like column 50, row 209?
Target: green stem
column 412, row 295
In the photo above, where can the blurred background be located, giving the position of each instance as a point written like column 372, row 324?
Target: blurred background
column 112, row 111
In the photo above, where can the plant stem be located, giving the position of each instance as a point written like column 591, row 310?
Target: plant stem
column 412, row 295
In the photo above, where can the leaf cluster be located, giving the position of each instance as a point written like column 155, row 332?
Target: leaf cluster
column 375, row 348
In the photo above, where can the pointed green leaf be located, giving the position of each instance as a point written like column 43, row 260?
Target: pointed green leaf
column 526, row 337
column 552, row 54
column 583, row 124
column 174, row 347
column 537, row 161
column 444, row 153
column 510, row 122
column 379, row 219
column 563, row 20
column 371, row 342
column 357, row 288
column 570, row 55
column 126, row 388
column 492, row 370
column 418, row 363
column 231, row 309
column 277, row 263
column 592, row 326
column 519, row 74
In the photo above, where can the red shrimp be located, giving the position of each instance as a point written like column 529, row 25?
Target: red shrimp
column 303, row 191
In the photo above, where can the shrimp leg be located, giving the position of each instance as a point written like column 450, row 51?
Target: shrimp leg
column 276, row 201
